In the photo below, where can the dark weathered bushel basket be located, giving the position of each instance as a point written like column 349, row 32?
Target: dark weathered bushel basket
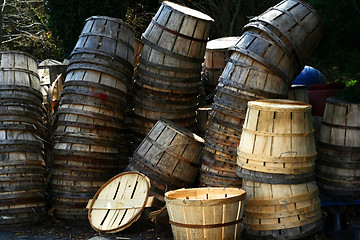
column 169, row 67
column 90, row 125
column 277, row 143
column 296, row 24
column 22, row 166
column 216, row 56
column 339, row 150
column 170, row 156
column 281, row 211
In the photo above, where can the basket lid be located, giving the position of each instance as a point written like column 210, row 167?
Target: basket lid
column 119, row 202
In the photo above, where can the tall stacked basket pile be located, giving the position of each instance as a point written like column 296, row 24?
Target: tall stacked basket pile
column 276, row 159
column 339, row 150
column 270, row 53
column 22, row 166
column 87, row 139
column 168, row 75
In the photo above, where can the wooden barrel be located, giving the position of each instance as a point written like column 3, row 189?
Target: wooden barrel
column 281, row 211
column 109, row 36
column 277, row 143
column 205, row 213
column 216, row 56
column 169, row 155
column 20, row 69
column 241, row 68
column 91, row 115
column 22, row 166
column 298, row 93
column 339, row 150
column 178, row 30
column 297, row 24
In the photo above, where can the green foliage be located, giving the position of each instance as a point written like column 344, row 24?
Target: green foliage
column 66, row 17
column 350, row 94
column 338, row 56
column 140, row 13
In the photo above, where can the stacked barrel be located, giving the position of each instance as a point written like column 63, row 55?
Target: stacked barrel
column 216, row 56
column 338, row 174
column 276, row 159
column 168, row 75
column 270, row 53
column 22, row 166
column 88, row 134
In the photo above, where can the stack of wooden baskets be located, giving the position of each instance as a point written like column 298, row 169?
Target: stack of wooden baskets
column 170, row 156
column 168, row 78
column 216, row 56
column 339, row 150
column 270, row 53
column 87, row 139
column 276, row 159
column 22, row 166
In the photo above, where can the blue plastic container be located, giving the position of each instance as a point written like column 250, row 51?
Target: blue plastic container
column 309, row 75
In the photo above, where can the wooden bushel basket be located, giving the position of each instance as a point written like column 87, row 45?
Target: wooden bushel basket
column 119, row 202
column 297, row 24
column 216, row 56
column 22, row 167
column 298, row 93
column 277, row 143
column 20, row 69
column 281, row 211
column 241, row 68
column 339, row 149
column 179, row 30
column 109, row 36
column 205, row 213
column 170, row 154
column 262, row 47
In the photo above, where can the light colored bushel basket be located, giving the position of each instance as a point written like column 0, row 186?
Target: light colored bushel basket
column 205, row 213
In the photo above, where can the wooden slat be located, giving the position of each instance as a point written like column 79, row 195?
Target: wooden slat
column 120, row 204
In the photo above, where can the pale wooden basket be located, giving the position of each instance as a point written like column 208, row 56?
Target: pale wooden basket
column 205, row 213
column 277, row 143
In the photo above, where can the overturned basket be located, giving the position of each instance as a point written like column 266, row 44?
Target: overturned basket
column 119, row 202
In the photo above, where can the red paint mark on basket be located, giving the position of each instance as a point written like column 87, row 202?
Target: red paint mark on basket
column 103, row 96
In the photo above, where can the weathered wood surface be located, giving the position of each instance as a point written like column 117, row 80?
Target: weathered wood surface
column 169, row 155
column 272, row 208
column 22, row 165
column 339, row 149
column 179, row 29
column 298, row 93
column 205, row 213
column 108, row 35
column 216, row 56
column 298, row 26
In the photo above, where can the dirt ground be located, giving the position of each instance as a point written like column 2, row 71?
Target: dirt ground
column 52, row 229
